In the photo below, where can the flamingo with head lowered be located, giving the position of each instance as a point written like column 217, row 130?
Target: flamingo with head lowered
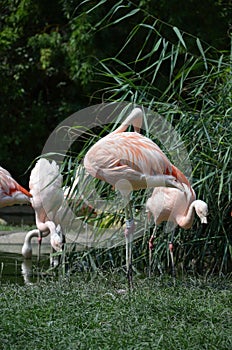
column 51, row 204
column 56, row 241
column 130, row 161
column 11, row 192
column 177, row 207
column 46, row 188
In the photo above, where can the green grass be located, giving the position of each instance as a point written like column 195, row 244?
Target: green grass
column 15, row 228
column 89, row 313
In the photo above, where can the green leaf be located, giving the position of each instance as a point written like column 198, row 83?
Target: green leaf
column 127, row 15
column 94, row 7
column 176, row 30
column 202, row 52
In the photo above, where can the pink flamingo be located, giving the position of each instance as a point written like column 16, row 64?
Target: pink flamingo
column 178, row 207
column 46, row 188
column 130, row 161
column 50, row 202
column 10, row 191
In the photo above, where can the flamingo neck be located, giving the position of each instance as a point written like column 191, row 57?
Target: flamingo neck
column 34, row 233
column 135, row 118
column 27, row 247
column 186, row 221
column 30, row 235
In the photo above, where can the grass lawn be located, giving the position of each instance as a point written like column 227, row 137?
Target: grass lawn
column 16, row 228
column 91, row 313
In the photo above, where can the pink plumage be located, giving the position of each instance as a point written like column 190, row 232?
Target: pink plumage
column 133, row 157
column 10, row 191
column 169, row 204
column 177, row 207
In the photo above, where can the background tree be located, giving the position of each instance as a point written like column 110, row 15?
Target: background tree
column 49, row 52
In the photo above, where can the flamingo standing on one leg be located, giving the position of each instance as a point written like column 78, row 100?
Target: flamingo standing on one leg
column 178, row 207
column 130, row 161
column 10, row 191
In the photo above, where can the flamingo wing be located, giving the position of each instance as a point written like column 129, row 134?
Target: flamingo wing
column 10, row 191
column 46, row 187
column 128, row 155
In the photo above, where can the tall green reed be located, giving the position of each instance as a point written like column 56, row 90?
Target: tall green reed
column 188, row 83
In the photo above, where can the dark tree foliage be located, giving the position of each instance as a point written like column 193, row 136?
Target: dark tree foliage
column 209, row 20
column 49, row 51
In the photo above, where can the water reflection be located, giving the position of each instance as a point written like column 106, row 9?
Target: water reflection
column 17, row 270
column 10, row 268
column 14, row 268
column 27, row 271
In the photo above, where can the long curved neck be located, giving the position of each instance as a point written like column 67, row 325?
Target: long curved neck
column 135, row 118
column 27, row 247
column 186, row 221
column 34, row 233
column 30, row 235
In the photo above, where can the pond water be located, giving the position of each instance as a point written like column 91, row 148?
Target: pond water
column 13, row 267
column 10, row 270
column 17, row 270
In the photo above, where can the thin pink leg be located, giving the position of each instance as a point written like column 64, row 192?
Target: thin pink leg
column 151, row 246
column 171, row 248
column 129, row 233
column 39, row 245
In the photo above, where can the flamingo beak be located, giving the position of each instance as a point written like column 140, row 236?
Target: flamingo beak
column 204, row 220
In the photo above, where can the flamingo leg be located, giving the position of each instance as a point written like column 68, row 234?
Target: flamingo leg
column 129, row 232
column 151, row 246
column 39, row 245
column 53, row 260
column 171, row 248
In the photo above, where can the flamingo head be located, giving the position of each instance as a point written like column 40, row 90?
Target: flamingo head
column 57, row 238
column 201, row 209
